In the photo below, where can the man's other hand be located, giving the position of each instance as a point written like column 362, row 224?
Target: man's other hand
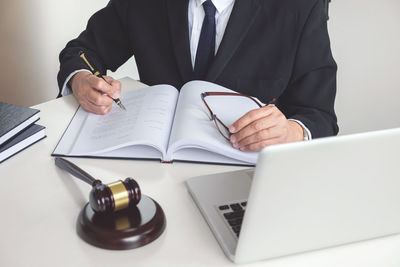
column 263, row 127
column 89, row 90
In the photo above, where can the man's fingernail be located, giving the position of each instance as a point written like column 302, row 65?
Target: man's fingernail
column 235, row 145
column 233, row 139
column 232, row 129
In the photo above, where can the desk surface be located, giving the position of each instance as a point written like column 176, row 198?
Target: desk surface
column 40, row 204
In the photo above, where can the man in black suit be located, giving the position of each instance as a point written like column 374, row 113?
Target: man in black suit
column 264, row 48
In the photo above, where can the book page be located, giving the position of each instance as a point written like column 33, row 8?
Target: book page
column 147, row 121
column 193, row 128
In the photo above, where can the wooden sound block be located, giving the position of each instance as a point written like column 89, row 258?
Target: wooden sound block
column 125, row 229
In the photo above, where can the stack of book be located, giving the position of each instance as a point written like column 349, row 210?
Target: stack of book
column 18, row 129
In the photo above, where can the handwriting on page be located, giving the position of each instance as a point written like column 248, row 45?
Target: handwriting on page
column 117, row 124
column 148, row 117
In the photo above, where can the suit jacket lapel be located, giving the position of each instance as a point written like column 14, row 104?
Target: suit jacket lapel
column 178, row 22
column 242, row 17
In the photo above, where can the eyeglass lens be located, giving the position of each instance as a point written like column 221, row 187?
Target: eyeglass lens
column 230, row 108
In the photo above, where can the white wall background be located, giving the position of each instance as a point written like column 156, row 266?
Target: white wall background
column 365, row 36
column 32, row 34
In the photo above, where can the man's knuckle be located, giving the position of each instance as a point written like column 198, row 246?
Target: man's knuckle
column 97, row 99
column 267, row 132
column 255, row 126
column 98, row 84
column 260, row 135
column 239, row 136
column 252, row 115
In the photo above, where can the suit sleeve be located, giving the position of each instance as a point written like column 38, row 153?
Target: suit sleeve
column 105, row 42
column 311, row 92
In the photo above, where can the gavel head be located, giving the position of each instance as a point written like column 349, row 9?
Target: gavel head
column 114, row 196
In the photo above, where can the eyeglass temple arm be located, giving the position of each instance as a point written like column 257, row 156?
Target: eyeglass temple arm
column 203, row 95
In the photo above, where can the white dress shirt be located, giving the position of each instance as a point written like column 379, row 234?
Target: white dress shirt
column 196, row 17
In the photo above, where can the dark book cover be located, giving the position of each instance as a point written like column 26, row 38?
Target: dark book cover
column 15, row 118
column 22, row 140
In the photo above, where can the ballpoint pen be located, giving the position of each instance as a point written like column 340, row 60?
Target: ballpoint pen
column 98, row 74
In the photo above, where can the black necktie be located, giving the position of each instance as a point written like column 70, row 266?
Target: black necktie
column 206, row 47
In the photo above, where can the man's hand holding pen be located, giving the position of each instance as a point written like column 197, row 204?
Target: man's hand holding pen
column 93, row 93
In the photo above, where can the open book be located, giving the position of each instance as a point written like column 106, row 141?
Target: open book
column 160, row 123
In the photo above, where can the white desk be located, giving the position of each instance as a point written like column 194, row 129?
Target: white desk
column 39, row 205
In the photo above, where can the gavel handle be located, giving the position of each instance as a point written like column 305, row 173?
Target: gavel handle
column 75, row 170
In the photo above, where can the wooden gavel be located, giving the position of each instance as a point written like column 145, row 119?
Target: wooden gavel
column 105, row 198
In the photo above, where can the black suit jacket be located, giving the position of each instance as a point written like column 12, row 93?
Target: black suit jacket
column 270, row 49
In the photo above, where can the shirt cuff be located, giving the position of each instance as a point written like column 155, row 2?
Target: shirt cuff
column 66, row 89
column 306, row 131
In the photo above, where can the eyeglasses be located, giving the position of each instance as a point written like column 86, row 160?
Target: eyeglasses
column 221, row 127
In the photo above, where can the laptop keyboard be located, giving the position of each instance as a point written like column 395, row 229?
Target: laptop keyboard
column 233, row 214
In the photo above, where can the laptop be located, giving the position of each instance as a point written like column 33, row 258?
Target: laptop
column 305, row 196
